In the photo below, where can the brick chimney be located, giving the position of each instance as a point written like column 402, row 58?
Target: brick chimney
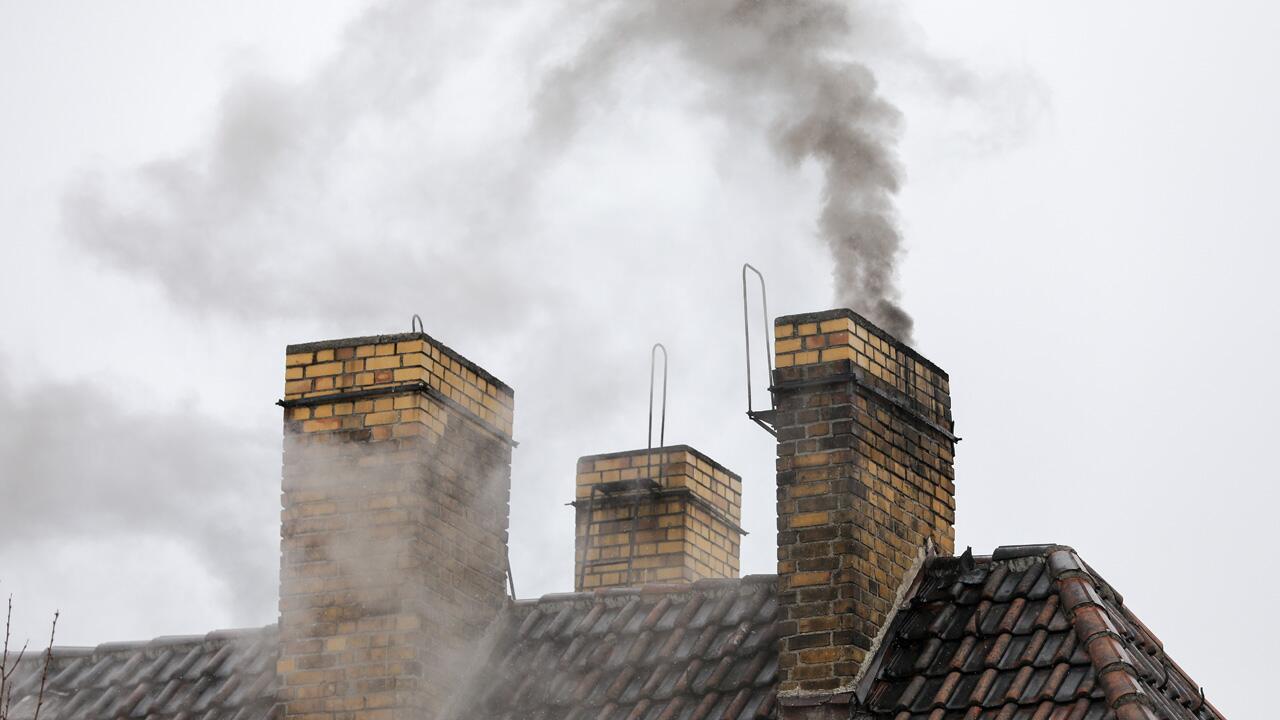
column 865, row 489
column 666, row 515
column 397, row 473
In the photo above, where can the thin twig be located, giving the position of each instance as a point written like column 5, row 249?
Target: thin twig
column 4, row 664
column 48, row 657
column 8, row 697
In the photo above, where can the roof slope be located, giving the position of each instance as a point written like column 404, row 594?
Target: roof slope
column 1031, row 632
column 704, row 650
column 225, row 675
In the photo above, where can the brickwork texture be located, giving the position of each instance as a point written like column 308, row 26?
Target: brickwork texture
column 396, row 486
column 321, row 369
column 682, row 526
column 865, row 481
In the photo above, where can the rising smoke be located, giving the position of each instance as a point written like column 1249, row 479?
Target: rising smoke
column 408, row 530
column 781, row 68
column 361, row 159
column 491, row 166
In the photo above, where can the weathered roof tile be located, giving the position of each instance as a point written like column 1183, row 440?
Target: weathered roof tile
column 1044, row 637
column 215, row 676
column 1031, row 633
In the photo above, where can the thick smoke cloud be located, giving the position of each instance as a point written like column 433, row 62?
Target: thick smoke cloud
column 780, row 68
column 553, row 186
column 388, row 160
column 74, row 464
column 303, row 190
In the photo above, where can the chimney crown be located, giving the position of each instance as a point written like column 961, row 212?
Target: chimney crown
column 813, row 339
column 343, row 372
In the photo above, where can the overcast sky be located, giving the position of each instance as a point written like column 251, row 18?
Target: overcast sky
column 1088, row 213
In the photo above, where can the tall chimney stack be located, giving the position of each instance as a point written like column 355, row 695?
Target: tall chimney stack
column 865, row 490
column 397, row 474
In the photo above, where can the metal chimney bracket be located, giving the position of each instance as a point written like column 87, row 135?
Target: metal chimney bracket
column 763, row 418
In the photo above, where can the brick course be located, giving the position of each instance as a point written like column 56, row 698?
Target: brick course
column 686, row 519
column 865, row 482
column 393, row 534
column 316, row 370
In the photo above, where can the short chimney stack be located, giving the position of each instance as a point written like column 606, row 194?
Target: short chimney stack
column 668, row 514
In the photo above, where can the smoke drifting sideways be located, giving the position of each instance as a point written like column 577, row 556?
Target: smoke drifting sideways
column 75, row 464
column 387, row 160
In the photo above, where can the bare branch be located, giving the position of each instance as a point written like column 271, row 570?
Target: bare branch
column 48, row 657
column 8, row 691
column 7, row 669
column 21, row 653
column 5, row 693
column 4, row 664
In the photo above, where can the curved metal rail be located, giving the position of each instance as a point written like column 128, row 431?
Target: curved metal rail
column 632, row 492
column 653, row 361
column 759, row 417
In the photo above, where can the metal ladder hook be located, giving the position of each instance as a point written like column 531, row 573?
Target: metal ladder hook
column 662, row 426
column 648, row 456
column 415, row 325
column 759, row 417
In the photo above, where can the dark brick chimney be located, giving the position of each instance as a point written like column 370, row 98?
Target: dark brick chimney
column 397, row 474
column 865, row 490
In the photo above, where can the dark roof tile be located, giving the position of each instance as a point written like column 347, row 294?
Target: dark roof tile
column 1042, row 636
column 222, row 675
column 1032, row 633
column 673, row 651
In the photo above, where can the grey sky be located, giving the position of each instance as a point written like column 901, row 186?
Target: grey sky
column 1087, row 210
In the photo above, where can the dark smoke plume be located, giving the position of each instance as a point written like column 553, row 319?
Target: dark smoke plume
column 780, row 65
column 354, row 159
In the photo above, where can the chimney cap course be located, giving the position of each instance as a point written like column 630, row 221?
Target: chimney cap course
column 846, row 313
column 399, row 338
column 664, row 449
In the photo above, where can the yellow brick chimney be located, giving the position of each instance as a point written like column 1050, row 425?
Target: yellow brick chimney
column 397, row 476
column 669, row 514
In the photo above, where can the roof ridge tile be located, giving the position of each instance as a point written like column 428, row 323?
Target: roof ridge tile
column 1094, row 626
column 1010, row 552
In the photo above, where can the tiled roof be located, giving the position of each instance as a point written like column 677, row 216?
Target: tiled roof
column 704, row 650
column 225, row 675
column 1029, row 633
